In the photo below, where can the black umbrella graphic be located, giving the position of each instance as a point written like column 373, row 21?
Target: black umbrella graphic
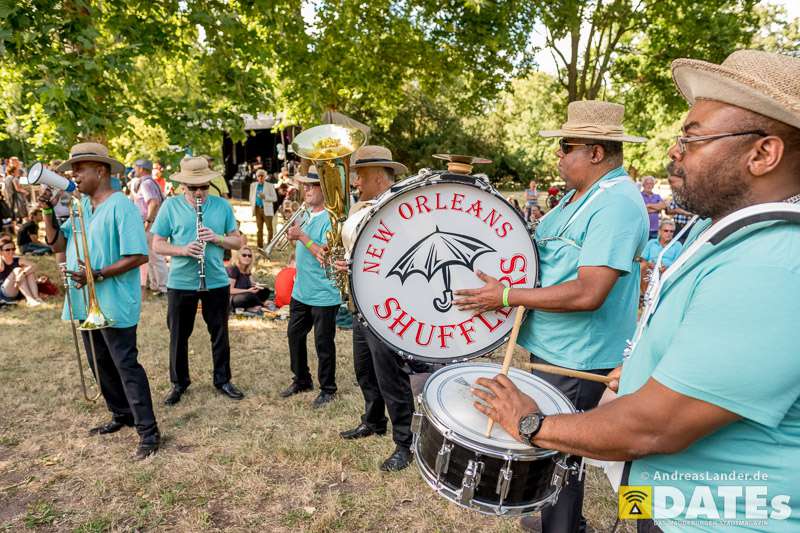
column 439, row 251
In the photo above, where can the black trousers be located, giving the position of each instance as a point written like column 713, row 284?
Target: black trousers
column 302, row 318
column 566, row 515
column 384, row 384
column 250, row 299
column 181, row 311
column 123, row 380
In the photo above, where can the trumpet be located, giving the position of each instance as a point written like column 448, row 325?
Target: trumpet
column 280, row 241
column 95, row 319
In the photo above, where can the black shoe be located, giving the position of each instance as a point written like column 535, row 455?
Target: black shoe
column 531, row 523
column 230, row 390
column 146, row 449
column 360, row 432
column 293, row 389
column 174, row 395
column 109, row 427
column 400, row 459
column 322, row 399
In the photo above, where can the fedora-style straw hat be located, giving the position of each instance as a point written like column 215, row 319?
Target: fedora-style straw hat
column 762, row 82
column 194, row 171
column 91, row 152
column 311, row 177
column 594, row 119
column 377, row 156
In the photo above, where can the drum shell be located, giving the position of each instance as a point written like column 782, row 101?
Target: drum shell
column 531, row 486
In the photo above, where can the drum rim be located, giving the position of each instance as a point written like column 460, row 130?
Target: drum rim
column 439, row 177
column 532, row 453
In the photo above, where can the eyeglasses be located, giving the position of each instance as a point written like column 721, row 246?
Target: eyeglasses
column 8, row 249
column 564, row 146
column 197, row 187
column 246, row 255
column 683, row 140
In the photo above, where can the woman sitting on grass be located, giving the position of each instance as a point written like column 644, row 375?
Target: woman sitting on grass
column 244, row 293
column 17, row 276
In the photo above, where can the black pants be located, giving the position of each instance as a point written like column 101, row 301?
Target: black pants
column 302, row 318
column 384, row 384
column 566, row 515
column 181, row 311
column 123, row 380
column 249, row 299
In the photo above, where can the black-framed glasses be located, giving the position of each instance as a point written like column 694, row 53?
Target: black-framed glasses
column 8, row 249
column 683, row 140
column 564, row 146
column 197, row 187
column 246, row 255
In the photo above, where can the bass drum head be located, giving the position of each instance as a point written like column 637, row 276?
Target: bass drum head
column 448, row 402
column 425, row 241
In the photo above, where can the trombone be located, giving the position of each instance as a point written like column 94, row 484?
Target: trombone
column 95, row 319
column 280, row 241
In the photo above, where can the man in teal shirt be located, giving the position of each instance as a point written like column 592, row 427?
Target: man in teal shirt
column 117, row 247
column 588, row 245
column 709, row 412
column 195, row 229
column 315, row 299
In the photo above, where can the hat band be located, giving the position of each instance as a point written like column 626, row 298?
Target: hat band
column 581, row 130
column 373, row 160
column 72, row 156
column 312, row 176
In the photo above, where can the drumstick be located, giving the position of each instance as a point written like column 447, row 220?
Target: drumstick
column 512, row 342
column 550, row 369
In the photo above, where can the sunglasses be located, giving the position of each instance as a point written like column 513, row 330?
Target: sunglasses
column 8, row 249
column 197, row 187
column 246, row 255
column 565, row 146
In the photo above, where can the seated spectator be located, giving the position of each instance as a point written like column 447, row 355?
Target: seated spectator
column 666, row 232
column 28, row 236
column 244, row 293
column 17, row 276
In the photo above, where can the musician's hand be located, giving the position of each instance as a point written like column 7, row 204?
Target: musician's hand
column 45, row 199
column 206, row 235
column 294, row 233
column 341, row 265
column 615, row 376
column 78, row 277
column 487, row 298
column 504, row 403
column 193, row 249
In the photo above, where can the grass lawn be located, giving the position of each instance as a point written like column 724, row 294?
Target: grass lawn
column 262, row 464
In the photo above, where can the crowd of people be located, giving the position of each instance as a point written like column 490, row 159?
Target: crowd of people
column 687, row 400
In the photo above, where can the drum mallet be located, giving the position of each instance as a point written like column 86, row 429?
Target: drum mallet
column 512, row 342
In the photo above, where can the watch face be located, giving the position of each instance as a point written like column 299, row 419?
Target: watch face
column 526, row 425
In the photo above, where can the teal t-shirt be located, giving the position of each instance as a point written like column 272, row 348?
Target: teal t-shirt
column 724, row 333
column 177, row 222
column 311, row 286
column 611, row 231
column 113, row 230
column 654, row 248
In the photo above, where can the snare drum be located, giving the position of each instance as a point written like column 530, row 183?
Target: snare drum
column 422, row 241
column 497, row 475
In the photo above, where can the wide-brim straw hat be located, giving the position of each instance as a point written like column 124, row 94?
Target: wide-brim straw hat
column 762, row 82
column 377, row 156
column 594, row 119
column 311, row 177
column 194, row 171
column 91, row 152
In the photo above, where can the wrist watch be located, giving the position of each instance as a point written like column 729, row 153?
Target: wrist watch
column 98, row 275
column 529, row 426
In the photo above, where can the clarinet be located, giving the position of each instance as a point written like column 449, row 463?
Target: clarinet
column 201, row 262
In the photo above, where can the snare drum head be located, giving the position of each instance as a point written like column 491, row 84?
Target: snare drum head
column 448, row 401
column 422, row 243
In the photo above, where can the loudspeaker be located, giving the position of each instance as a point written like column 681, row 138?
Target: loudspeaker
column 39, row 175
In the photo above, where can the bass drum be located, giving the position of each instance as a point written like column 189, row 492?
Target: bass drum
column 425, row 239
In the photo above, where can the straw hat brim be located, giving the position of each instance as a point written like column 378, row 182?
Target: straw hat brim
column 306, row 179
column 567, row 133
column 195, row 179
column 116, row 166
column 398, row 168
column 701, row 79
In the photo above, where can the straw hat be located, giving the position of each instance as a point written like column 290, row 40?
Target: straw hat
column 311, row 177
column 91, row 152
column 194, row 171
column 594, row 119
column 762, row 82
column 377, row 156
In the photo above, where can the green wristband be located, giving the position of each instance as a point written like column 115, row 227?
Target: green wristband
column 309, row 244
column 47, row 211
column 505, row 296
